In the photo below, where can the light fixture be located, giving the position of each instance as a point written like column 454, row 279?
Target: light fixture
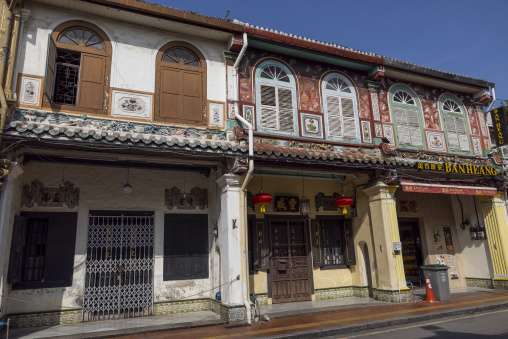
column 304, row 201
column 343, row 202
column 262, row 198
column 127, row 188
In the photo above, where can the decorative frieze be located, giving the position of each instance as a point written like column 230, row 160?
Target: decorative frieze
column 198, row 197
column 36, row 193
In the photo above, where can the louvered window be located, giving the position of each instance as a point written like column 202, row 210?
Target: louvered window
column 340, row 107
column 407, row 119
column 455, row 125
column 276, row 103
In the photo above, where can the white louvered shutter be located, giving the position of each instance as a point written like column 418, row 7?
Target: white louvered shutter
column 334, row 116
column 348, row 118
column 402, row 125
column 460, row 126
column 453, row 139
column 286, row 123
column 268, row 107
column 414, row 127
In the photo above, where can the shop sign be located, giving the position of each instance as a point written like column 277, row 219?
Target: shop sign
column 287, row 204
column 457, row 168
column 500, row 127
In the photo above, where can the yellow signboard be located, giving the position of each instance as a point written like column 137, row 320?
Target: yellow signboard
column 456, row 168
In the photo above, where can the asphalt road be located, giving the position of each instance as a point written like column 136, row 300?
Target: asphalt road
column 492, row 324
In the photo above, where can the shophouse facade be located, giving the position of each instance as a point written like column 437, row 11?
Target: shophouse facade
column 130, row 168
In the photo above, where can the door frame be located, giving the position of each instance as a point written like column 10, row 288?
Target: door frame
column 306, row 221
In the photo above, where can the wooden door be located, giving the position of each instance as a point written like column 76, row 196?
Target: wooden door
column 289, row 261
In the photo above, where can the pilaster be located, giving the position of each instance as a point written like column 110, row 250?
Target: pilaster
column 496, row 225
column 385, row 228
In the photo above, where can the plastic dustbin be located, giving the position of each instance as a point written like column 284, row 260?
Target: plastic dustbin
column 438, row 276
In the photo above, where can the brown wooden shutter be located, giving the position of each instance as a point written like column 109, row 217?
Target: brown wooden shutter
column 17, row 246
column 49, row 79
column 261, row 249
column 92, row 81
column 350, row 243
column 170, row 105
column 317, row 249
column 192, row 96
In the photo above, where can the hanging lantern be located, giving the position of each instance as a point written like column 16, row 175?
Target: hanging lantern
column 262, row 199
column 343, row 202
column 304, row 205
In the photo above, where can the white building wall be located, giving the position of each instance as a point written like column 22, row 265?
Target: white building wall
column 101, row 189
column 134, row 50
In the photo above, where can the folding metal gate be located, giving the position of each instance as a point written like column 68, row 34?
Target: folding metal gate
column 119, row 267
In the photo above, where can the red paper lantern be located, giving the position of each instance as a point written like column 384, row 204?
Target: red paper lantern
column 262, row 199
column 343, row 202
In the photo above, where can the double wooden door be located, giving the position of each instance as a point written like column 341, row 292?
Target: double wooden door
column 289, row 261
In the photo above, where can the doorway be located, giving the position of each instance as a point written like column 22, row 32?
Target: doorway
column 119, row 265
column 412, row 253
column 289, row 261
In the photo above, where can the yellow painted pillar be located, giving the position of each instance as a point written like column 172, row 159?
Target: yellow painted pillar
column 496, row 226
column 385, row 230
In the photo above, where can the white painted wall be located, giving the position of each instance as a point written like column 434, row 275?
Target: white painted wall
column 134, row 50
column 101, row 189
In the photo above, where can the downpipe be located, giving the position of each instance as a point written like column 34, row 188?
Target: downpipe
column 248, row 177
column 4, row 44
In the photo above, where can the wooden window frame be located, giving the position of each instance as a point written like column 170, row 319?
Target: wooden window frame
column 340, row 95
column 341, row 220
column 455, row 115
column 277, row 84
column 394, row 104
column 159, row 64
column 106, row 53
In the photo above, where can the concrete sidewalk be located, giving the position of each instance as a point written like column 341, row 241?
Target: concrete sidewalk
column 305, row 320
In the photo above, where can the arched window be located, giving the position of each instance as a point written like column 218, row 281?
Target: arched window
column 455, row 124
column 340, row 106
column 180, row 84
column 276, row 101
column 407, row 121
column 78, row 68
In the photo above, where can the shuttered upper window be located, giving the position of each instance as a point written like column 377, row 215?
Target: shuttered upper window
column 78, row 68
column 406, row 118
column 455, row 125
column 276, row 98
column 180, row 84
column 340, row 107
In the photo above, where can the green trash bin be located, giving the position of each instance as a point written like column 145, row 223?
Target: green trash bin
column 438, row 276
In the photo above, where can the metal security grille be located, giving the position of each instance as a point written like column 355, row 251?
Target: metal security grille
column 119, row 267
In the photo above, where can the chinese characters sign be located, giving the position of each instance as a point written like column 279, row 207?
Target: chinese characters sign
column 287, row 204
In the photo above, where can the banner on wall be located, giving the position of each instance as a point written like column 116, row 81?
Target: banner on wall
column 446, row 188
column 498, row 116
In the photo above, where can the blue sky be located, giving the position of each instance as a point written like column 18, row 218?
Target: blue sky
column 465, row 37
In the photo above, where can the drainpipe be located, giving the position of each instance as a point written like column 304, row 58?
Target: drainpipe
column 12, row 54
column 5, row 28
column 247, row 177
column 493, row 98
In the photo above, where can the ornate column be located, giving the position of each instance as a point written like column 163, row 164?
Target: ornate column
column 496, row 225
column 385, row 229
column 232, row 308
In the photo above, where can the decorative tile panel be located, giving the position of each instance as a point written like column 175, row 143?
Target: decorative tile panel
column 436, row 141
column 131, row 104
column 393, row 296
column 375, row 106
column 476, row 282
column 30, row 91
column 182, row 306
column 248, row 113
column 388, row 133
column 366, row 133
column 378, row 130
column 487, row 145
column 312, row 125
column 45, row 319
column 216, row 114
column 477, row 146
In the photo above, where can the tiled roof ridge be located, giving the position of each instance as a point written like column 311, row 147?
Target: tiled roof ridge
column 387, row 60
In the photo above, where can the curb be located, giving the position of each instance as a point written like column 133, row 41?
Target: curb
column 344, row 329
column 139, row 330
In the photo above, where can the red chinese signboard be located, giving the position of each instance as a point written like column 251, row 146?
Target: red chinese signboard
column 443, row 188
